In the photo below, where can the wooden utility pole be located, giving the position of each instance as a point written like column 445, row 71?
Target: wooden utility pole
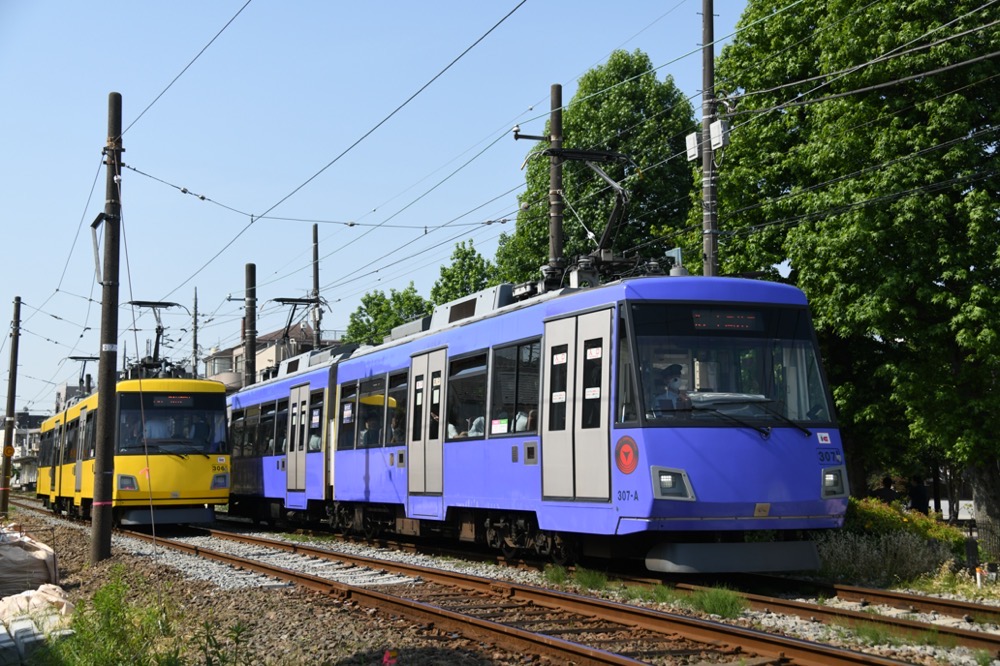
column 556, row 203
column 8, row 432
column 104, row 460
column 709, row 216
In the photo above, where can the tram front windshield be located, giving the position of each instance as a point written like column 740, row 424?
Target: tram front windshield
column 174, row 423
column 733, row 364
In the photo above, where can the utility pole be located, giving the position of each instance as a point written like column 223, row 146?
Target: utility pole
column 552, row 271
column 104, row 460
column 250, row 327
column 194, row 343
column 556, row 203
column 709, row 218
column 8, row 433
column 318, row 308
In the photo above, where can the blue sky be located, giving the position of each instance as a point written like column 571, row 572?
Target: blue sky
column 265, row 120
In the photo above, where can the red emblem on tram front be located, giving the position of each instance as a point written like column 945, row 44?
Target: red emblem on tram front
column 626, row 455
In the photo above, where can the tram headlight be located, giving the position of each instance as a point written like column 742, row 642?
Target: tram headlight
column 127, row 482
column 220, row 481
column 671, row 484
column 834, row 484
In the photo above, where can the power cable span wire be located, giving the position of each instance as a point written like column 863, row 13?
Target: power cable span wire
column 349, row 148
column 797, row 100
column 397, row 109
column 398, row 212
column 186, row 67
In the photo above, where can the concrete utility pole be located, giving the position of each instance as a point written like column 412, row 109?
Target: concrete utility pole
column 250, row 327
column 8, row 432
column 104, row 460
column 710, row 232
column 318, row 308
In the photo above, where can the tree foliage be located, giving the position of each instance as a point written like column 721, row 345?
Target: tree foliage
column 378, row 314
column 623, row 108
column 468, row 273
column 863, row 153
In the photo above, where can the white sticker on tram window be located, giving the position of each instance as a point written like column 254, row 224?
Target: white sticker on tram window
column 420, row 398
column 594, row 352
column 420, row 384
column 559, row 359
column 558, row 397
column 592, row 392
column 436, row 396
column 436, row 381
column 824, row 437
column 498, row 426
column 348, row 412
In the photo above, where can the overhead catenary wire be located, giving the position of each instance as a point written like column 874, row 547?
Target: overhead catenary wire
column 671, row 157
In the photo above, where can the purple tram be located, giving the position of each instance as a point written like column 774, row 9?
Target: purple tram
column 683, row 421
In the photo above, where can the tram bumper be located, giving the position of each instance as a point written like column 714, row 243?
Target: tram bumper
column 733, row 557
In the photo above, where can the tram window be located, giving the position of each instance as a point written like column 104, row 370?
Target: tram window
column 260, row 420
column 315, row 425
column 237, row 433
column 514, row 393
column 89, row 436
column 467, row 397
column 395, row 431
column 593, row 372
column 45, row 450
column 281, row 427
column 434, row 426
column 627, row 410
column 72, row 436
column 348, row 416
column 418, row 407
column 558, row 366
column 371, row 413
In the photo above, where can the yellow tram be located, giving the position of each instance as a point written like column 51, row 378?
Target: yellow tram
column 171, row 461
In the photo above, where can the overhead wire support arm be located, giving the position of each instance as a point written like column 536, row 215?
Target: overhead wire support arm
column 590, row 158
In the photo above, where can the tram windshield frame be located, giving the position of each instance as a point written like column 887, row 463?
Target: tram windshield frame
column 740, row 364
column 177, row 423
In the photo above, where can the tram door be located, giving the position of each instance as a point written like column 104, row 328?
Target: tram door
column 576, row 459
column 427, row 423
column 298, row 420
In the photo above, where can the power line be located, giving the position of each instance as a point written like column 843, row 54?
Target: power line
column 186, row 67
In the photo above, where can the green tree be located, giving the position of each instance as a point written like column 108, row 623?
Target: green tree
column 863, row 153
column 468, row 273
column 619, row 107
column 378, row 314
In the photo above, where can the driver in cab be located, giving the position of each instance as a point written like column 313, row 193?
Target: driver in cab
column 669, row 396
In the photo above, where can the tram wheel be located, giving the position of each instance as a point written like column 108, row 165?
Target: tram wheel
column 508, row 551
column 564, row 551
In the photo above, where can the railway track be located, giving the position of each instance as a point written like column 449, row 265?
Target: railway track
column 954, row 622
column 562, row 627
column 521, row 617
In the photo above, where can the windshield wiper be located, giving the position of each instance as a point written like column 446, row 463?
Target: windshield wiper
column 806, row 431
column 765, row 432
column 764, row 402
